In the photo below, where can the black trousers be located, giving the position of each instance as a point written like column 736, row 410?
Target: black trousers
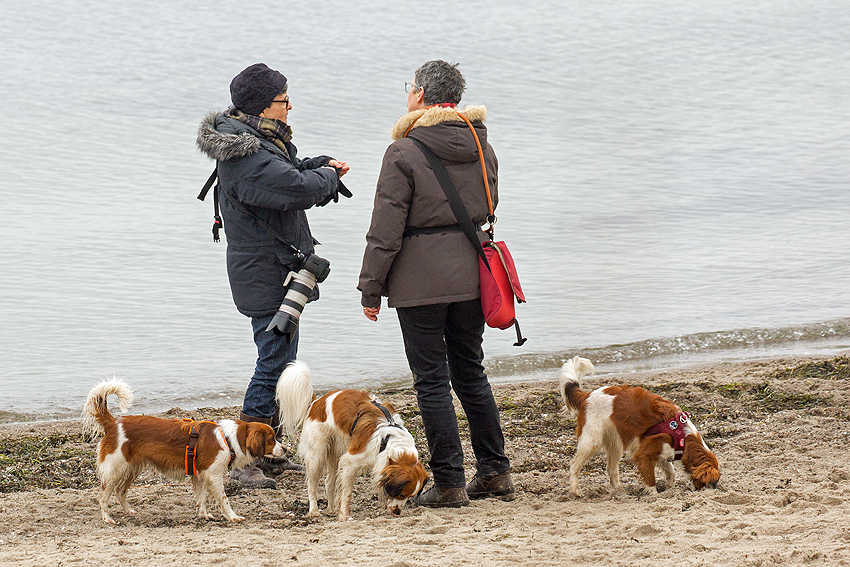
column 443, row 347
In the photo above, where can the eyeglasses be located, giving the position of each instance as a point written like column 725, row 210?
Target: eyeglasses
column 284, row 101
column 408, row 86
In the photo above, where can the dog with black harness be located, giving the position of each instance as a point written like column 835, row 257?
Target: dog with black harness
column 344, row 433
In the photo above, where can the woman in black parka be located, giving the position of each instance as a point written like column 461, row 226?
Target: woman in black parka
column 263, row 182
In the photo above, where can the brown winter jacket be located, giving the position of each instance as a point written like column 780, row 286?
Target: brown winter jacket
column 442, row 267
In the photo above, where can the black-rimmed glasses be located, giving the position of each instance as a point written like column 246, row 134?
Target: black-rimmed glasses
column 284, row 101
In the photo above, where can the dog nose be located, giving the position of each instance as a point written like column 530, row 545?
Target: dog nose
column 713, row 484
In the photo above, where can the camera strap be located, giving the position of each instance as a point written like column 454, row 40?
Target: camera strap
column 218, row 223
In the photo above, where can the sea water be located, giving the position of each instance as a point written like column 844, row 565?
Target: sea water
column 673, row 184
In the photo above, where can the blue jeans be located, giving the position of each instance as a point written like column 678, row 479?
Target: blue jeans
column 273, row 354
column 443, row 347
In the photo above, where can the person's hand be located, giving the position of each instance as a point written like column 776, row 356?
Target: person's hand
column 371, row 313
column 340, row 166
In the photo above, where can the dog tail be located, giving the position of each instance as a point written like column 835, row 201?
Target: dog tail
column 572, row 372
column 96, row 414
column 294, row 396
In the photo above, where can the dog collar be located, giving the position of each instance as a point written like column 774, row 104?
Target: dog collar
column 674, row 428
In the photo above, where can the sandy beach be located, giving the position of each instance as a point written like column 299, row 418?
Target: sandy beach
column 780, row 429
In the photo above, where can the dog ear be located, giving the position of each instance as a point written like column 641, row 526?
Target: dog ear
column 393, row 479
column 397, row 476
column 700, row 463
column 705, row 475
column 660, row 407
column 256, row 440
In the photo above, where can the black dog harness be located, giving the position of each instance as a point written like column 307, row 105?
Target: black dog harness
column 390, row 423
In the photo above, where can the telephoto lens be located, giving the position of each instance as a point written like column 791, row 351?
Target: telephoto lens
column 299, row 285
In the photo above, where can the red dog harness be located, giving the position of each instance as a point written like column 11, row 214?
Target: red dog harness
column 189, row 460
column 676, row 429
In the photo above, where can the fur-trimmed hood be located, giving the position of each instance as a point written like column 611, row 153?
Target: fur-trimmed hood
column 223, row 138
column 436, row 115
column 446, row 133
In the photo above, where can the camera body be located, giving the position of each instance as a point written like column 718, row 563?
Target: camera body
column 299, row 285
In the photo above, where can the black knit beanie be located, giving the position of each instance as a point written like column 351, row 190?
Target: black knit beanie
column 254, row 89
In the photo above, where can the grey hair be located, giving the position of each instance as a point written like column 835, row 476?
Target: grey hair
column 443, row 82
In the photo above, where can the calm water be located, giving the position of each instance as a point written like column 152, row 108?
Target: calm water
column 674, row 184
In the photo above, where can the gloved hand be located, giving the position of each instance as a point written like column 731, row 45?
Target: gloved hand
column 341, row 189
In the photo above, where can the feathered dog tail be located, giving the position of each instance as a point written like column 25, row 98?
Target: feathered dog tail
column 294, row 396
column 96, row 414
column 572, row 372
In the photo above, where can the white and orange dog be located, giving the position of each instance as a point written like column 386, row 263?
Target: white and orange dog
column 644, row 425
column 174, row 447
column 343, row 433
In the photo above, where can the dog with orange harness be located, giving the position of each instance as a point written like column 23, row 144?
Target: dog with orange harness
column 202, row 450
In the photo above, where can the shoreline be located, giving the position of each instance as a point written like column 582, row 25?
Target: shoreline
column 779, row 428
column 501, row 372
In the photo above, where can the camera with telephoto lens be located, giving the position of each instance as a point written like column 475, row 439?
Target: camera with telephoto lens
column 299, row 285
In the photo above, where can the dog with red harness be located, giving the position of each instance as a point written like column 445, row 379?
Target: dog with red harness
column 652, row 430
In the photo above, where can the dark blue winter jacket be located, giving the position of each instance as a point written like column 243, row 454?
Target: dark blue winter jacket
column 271, row 185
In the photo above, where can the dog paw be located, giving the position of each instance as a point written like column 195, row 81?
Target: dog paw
column 236, row 519
column 649, row 492
column 313, row 514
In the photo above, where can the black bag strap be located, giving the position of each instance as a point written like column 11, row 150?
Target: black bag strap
column 452, row 195
column 235, row 202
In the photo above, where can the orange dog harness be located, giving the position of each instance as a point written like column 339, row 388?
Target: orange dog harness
column 189, row 459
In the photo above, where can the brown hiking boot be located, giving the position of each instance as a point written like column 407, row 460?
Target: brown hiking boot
column 252, row 476
column 439, row 497
column 498, row 486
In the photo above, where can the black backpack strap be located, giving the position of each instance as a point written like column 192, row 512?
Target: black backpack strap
column 452, row 195
column 217, row 222
column 213, row 176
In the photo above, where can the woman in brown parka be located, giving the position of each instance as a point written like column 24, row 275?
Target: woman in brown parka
column 417, row 255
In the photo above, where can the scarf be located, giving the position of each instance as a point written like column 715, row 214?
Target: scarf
column 275, row 131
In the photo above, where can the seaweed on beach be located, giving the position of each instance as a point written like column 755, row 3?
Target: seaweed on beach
column 770, row 399
column 533, row 415
column 837, row 368
column 57, row 460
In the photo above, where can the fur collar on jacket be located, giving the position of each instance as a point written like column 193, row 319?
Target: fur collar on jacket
column 436, row 115
column 237, row 139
